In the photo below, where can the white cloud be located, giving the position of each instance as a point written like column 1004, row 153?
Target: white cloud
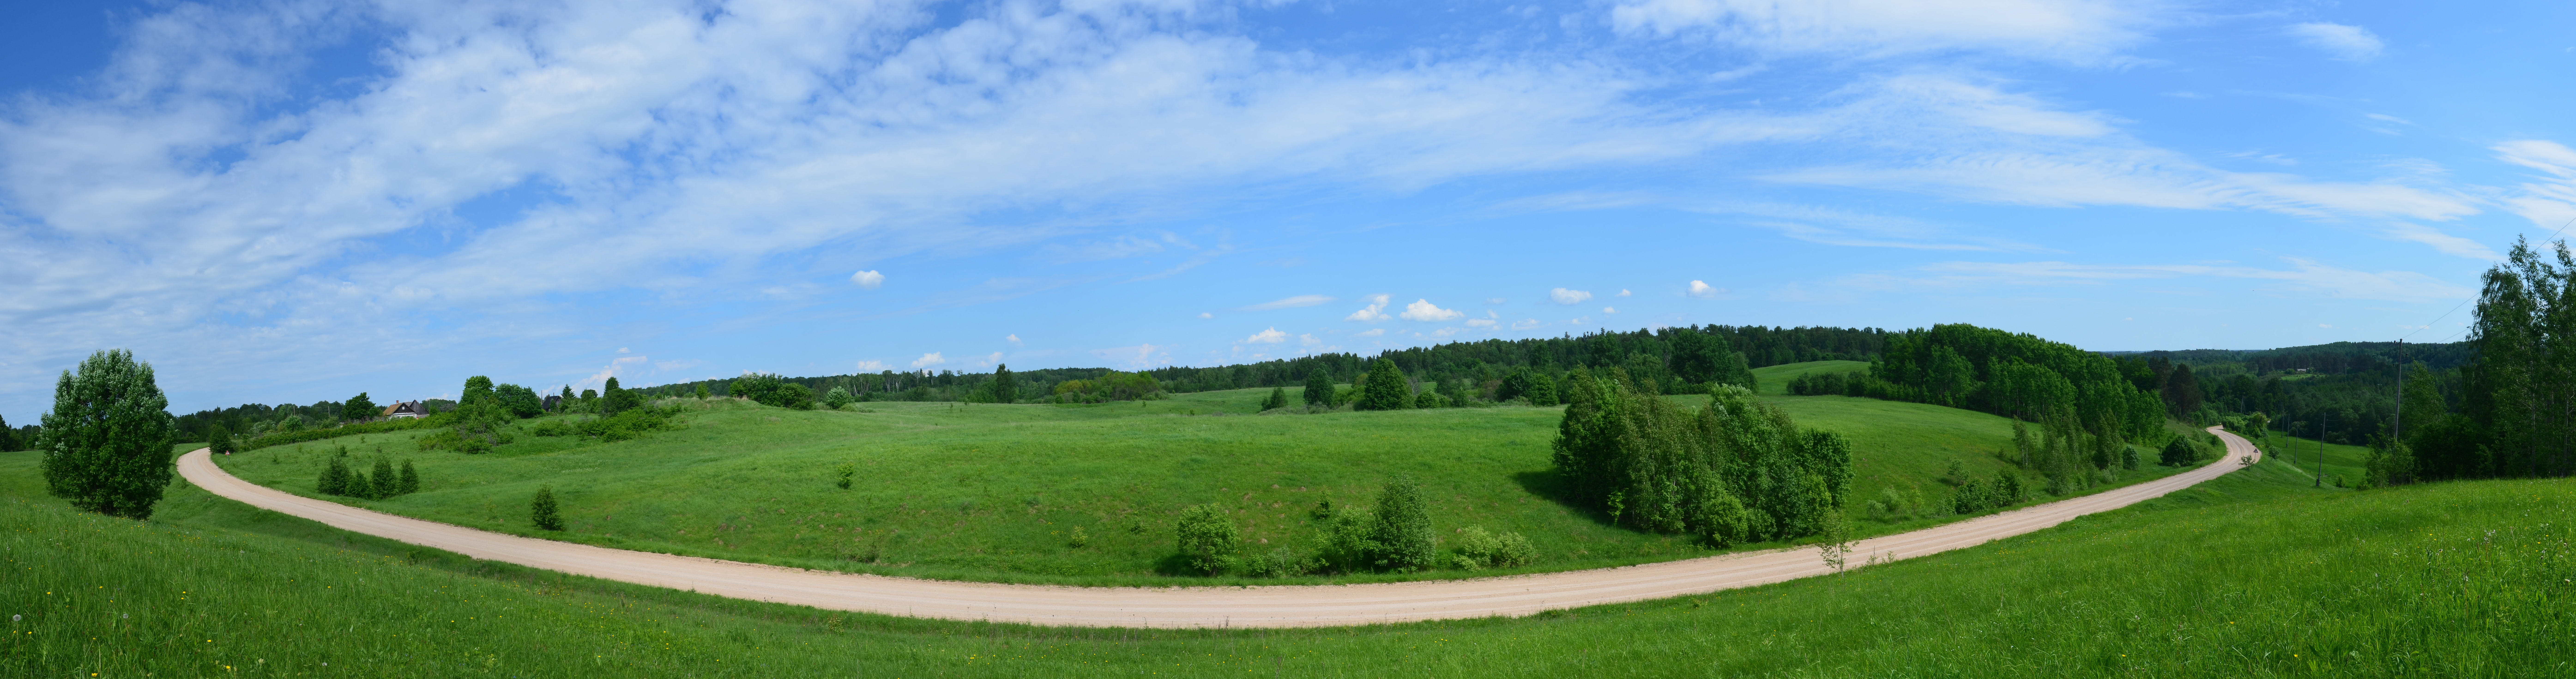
column 929, row 359
column 615, row 368
column 621, row 350
column 1204, row 314
column 1609, row 310
column 2076, row 30
column 1290, row 303
column 2550, row 200
column 1526, row 324
column 869, row 280
column 1480, row 323
column 2349, row 43
column 1702, row 290
column 1139, row 357
column 1423, row 310
column 1373, row 332
column 1493, row 300
column 1269, row 336
column 1308, row 341
column 874, row 366
column 1564, row 296
column 1375, row 312
column 1014, row 339
column 1623, row 292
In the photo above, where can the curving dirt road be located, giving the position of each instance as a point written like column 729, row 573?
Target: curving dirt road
column 1282, row 606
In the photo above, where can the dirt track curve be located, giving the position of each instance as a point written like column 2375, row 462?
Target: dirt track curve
column 1282, row 606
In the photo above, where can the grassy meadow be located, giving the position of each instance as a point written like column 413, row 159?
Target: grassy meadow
column 997, row 492
column 2252, row 574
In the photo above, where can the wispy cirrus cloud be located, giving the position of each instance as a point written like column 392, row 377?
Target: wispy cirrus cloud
column 2303, row 277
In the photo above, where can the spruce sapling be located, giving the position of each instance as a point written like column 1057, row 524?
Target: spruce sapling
column 543, row 511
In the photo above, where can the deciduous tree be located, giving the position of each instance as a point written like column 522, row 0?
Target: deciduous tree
column 107, row 441
column 1384, row 388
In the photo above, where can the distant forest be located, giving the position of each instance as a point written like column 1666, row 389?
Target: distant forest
column 2345, row 389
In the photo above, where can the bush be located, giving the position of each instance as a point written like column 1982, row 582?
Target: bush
column 335, row 476
column 520, row 401
column 1320, row 389
column 1430, row 399
column 1279, row 562
column 1383, row 388
column 107, row 441
column 383, row 484
column 1278, row 399
column 1402, row 529
column 846, row 473
column 542, row 510
column 796, row 396
column 552, row 428
column 2178, row 452
column 839, row 397
column 1207, row 537
column 1479, row 549
column 410, row 482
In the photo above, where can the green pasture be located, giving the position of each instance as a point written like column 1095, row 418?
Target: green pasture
column 997, row 492
column 1774, row 380
column 2252, row 574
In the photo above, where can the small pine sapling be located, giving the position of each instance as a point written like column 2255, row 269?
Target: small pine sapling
column 846, row 472
column 543, row 510
column 410, row 482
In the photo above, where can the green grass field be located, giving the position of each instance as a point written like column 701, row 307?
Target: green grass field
column 2304, row 453
column 1774, row 380
column 2249, row 575
column 995, row 492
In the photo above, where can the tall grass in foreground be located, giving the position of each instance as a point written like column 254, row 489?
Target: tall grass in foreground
column 2457, row 579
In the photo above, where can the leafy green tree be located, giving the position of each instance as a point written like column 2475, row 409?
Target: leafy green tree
column 107, row 441
column 761, row 388
column 522, row 402
column 1319, row 389
column 1207, row 537
column 2177, row 452
column 219, row 440
column 358, row 407
column 614, row 399
column 837, row 398
column 589, row 400
column 410, row 482
column 8, row 437
column 702, row 391
column 385, row 484
column 1384, row 388
column 543, row 511
column 567, row 400
column 477, row 389
column 1430, row 399
column 1278, row 399
column 1006, row 387
column 1402, row 528
column 794, row 395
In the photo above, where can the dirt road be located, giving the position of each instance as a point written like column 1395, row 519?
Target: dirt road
column 1283, row 606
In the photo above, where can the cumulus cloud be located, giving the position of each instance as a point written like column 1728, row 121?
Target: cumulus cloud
column 1609, row 310
column 869, row 280
column 1290, row 303
column 927, row 360
column 1623, row 292
column 1702, row 290
column 1375, row 312
column 1423, row 310
column 1564, row 296
column 2349, row 43
column 1014, row 339
column 874, row 366
column 1269, row 336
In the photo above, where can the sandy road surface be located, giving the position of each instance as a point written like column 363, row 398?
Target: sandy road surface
column 1282, row 606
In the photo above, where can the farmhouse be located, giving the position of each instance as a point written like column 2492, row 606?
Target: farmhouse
column 405, row 409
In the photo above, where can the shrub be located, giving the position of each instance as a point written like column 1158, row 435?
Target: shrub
column 1207, row 537
column 837, row 398
column 846, row 472
column 1078, row 540
column 335, row 477
column 793, row 395
column 1280, row 562
column 1278, row 399
column 383, row 484
column 1480, row 549
column 552, row 428
column 702, row 391
column 410, row 482
column 542, row 509
column 107, row 441
column 1402, row 528
column 1384, row 388
column 2178, row 452
column 1430, row 399
column 520, row 401
column 219, row 441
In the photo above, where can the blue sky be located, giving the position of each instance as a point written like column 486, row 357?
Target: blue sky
column 290, row 202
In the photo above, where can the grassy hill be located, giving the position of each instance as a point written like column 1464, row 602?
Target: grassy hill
column 2249, row 575
column 995, row 492
column 1774, row 380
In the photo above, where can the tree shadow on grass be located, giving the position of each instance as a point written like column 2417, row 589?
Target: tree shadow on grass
column 1548, row 484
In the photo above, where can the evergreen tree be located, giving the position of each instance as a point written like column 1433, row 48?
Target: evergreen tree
column 1319, row 389
column 1384, row 388
column 335, row 477
column 358, row 407
column 1402, row 528
column 107, row 441
column 542, row 510
column 1006, row 387
column 410, row 482
column 219, row 440
column 385, row 483
column 1278, row 399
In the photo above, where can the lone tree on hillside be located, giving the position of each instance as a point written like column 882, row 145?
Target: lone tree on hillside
column 1278, row 399
column 107, row 442
column 1384, row 388
column 219, row 441
column 1006, row 389
column 1403, row 528
column 702, row 391
column 358, row 408
column 542, row 509
column 1207, row 537
column 1319, row 389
